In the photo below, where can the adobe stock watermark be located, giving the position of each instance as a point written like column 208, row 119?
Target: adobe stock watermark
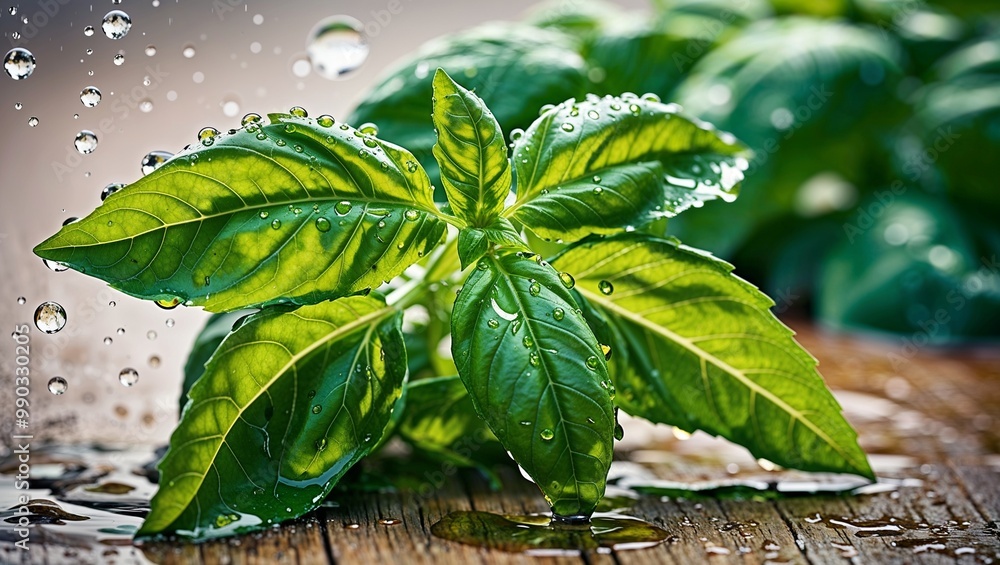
column 465, row 447
column 45, row 11
column 122, row 107
column 934, row 326
column 914, row 168
column 901, row 12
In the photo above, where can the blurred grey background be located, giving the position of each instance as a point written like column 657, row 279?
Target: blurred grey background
column 243, row 54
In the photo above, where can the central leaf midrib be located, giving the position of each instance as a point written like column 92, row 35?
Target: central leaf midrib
column 203, row 217
column 343, row 330
column 719, row 363
column 528, row 327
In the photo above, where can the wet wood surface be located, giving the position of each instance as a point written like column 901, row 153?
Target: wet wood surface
column 929, row 420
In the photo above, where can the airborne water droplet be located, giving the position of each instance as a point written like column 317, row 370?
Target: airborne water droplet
column 116, row 24
column 19, row 63
column 188, row 51
column 337, row 45
column 21, row 300
column 50, row 317
column 33, row 121
column 90, row 96
column 128, row 376
column 57, row 385
column 119, row 59
column 85, row 142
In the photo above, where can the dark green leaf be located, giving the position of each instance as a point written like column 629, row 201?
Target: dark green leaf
column 215, row 330
column 289, row 402
column 604, row 164
column 440, row 419
column 537, row 375
column 473, row 243
column 471, row 153
column 695, row 346
column 305, row 214
column 514, row 68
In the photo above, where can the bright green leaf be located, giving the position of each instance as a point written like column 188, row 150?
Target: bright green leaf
column 695, row 346
column 208, row 340
column 289, row 402
column 537, row 375
column 604, row 164
column 471, row 153
column 305, row 214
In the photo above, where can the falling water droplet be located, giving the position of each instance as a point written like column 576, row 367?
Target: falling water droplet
column 188, row 51
column 33, row 121
column 337, row 46
column 119, row 59
column 57, row 385
column 169, row 322
column 21, row 300
column 154, row 160
column 50, row 317
column 85, row 142
column 90, row 96
column 88, row 31
column 116, row 24
column 19, row 63
column 151, row 335
column 150, row 50
column 128, row 376
column 154, row 361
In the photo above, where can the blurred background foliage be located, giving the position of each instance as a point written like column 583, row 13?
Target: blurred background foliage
column 869, row 204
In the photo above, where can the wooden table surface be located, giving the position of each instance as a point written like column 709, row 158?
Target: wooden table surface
column 929, row 419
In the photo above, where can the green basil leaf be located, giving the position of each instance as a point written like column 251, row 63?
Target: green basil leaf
column 537, row 375
column 289, row 402
column 473, row 243
column 471, row 153
column 514, row 68
column 697, row 348
column 604, row 164
column 208, row 340
column 305, row 214
column 440, row 420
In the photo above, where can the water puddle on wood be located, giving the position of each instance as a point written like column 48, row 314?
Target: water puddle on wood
column 538, row 534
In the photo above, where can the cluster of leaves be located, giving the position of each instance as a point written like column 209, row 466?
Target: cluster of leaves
column 862, row 114
column 304, row 219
